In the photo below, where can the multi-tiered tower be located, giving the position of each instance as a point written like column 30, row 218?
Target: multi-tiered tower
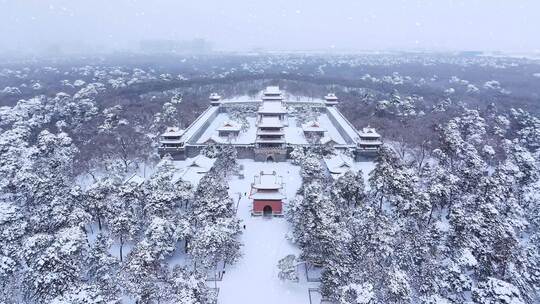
column 369, row 142
column 270, row 141
column 215, row 99
column 330, row 100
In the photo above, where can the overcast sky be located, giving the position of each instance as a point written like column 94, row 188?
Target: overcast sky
column 493, row 25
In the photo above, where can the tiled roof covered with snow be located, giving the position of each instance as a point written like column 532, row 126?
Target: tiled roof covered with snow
column 267, row 180
column 198, row 124
column 339, row 164
column 313, row 126
column 271, row 140
column 270, row 132
column 272, row 107
column 331, row 97
column 230, row 126
column 173, row 132
column 325, row 140
column 193, row 169
column 267, row 186
column 270, row 122
column 344, row 123
column 369, row 132
column 210, row 133
column 270, row 90
column 203, row 163
column 214, row 96
column 267, row 196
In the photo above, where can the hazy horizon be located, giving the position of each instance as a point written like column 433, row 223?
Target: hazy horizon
column 100, row 26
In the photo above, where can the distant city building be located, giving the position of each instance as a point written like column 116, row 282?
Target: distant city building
column 272, row 131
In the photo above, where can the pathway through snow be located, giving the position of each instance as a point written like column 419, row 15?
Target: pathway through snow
column 254, row 278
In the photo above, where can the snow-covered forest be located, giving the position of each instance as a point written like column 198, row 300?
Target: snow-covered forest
column 458, row 227
column 89, row 213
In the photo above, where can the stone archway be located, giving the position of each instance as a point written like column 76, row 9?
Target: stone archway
column 270, row 159
column 267, row 210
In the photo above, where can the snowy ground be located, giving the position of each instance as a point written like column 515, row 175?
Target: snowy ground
column 254, row 279
column 366, row 167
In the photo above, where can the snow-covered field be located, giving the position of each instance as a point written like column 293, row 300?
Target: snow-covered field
column 254, row 279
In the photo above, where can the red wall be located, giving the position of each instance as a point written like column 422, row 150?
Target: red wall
column 258, row 206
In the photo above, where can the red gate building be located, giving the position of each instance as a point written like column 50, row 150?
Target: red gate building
column 267, row 194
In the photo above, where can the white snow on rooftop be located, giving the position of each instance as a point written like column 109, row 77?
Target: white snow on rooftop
column 347, row 127
column 332, row 132
column 244, row 137
column 369, row 132
column 193, row 169
column 267, row 196
column 199, row 123
column 173, row 132
column 294, row 134
column 229, row 126
column 203, row 163
column 270, row 122
column 331, row 96
column 313, row 126
column 272, row 90
column 339, row 164
column 267, row 180
column 272, row 107
column 239, row 99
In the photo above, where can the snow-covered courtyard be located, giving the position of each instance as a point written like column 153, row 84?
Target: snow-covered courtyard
column 254, row 279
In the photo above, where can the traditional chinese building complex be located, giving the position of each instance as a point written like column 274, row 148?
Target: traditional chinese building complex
column 269, row 128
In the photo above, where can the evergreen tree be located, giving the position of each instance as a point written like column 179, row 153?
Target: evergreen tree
column 215, row 242
column 103, row 269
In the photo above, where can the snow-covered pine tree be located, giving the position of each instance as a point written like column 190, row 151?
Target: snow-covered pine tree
column 287, row 268
column 211, row 200
column 349, row 189
column 103, row 269
column 495, row 291
column 189, row 287
column 162, row 194
column 54, row 263
column 214, row 242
